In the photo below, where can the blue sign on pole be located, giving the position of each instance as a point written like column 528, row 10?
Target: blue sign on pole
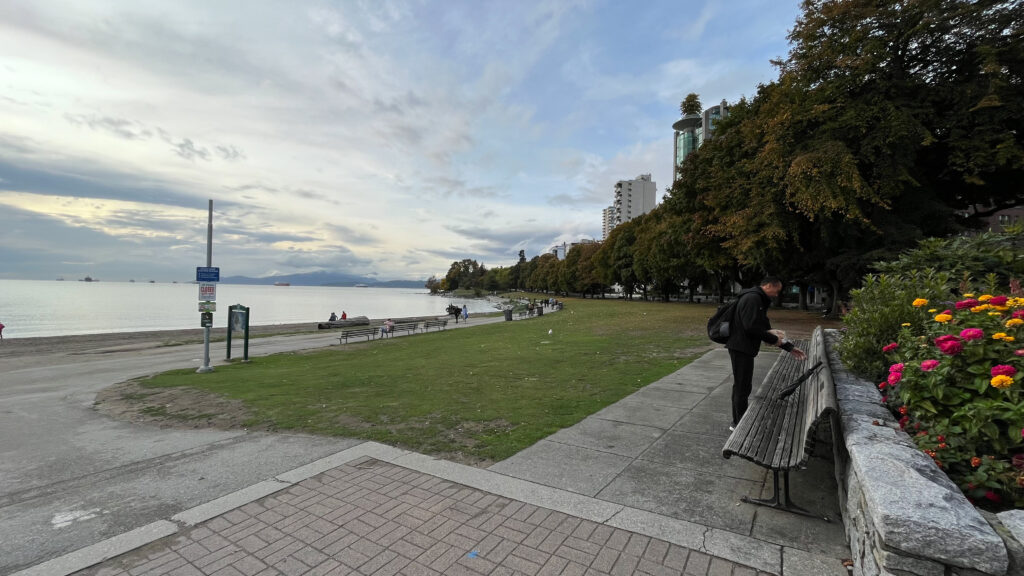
column 207, row 274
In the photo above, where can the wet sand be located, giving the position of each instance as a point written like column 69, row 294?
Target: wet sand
column 120, row 341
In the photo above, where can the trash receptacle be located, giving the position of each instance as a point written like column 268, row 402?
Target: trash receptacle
column 508, row 315
column 540, row 310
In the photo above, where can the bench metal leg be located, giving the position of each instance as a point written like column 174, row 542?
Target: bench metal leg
column 784, row 503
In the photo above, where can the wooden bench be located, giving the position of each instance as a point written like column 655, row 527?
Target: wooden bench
column 369, row 332
column 407, row 327
column 779, row 429
column 440, row 324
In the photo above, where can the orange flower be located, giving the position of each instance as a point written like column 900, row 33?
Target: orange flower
column 975, row 461
column 1002, row 381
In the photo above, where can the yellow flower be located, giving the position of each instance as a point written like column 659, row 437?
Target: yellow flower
column 999, row 335
column 984, row 298
column 933, row 310
column 1009, row 339
column 1001, row 308
column 943, row 318
column 1014, row 322
column 919, row 302
column 994, row 314
column 981, row 308
column 905, row 324
column 969, row 295
column 1001, row 381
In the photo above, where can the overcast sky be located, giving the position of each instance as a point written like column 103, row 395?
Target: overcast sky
column 385, row 138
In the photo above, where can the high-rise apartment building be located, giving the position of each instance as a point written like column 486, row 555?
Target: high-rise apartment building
column 608, row 221
column 632, row 198
column 692, row 130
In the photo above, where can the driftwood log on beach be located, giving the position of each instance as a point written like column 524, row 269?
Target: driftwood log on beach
column 353, row 321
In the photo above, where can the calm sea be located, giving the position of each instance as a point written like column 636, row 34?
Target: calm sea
column 30, row 308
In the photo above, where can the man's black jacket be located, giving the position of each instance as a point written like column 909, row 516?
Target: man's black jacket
column 750, row 325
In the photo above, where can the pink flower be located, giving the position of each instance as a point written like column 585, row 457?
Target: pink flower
column 969, row 303
column 886, row 399
column 998, row 301
column 929, row 365
column 993, row 496
column 1003, row 370
column 1018, row 313
column 1018, row 352
column 972, row 334
column 949, row 345
column 882, row 385
column 896, row 367
column 890, row 347
column 894, row 378
column 904, row 421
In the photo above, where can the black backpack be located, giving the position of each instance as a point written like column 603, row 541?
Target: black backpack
column 718, row 324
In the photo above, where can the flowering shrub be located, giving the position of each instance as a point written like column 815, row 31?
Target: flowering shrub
column 957, row 383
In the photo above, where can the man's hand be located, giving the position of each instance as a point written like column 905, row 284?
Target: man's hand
column 780, row 334
column 800, row 354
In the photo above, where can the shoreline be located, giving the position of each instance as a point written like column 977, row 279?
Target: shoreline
column 122, row 341
column 115, row 341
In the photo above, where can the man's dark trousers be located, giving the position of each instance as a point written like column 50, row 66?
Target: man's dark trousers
column 742, row 382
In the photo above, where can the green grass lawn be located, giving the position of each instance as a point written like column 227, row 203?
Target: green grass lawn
column 478, row 394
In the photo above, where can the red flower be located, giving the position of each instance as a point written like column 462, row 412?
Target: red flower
column 1018, row 313
column 903, row 421
column 890, row 347
column 942, row 446
column 885, row 399
column 941, row 438
column 993, row 496
column 969, row 303
column 949, row 345
column 903, row 410
column 998, row 300
column 894, row 378
column 882, row 385
column 1003, row 370
column 972, row 334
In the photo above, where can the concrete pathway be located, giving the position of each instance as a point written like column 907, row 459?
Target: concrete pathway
column 638, row 488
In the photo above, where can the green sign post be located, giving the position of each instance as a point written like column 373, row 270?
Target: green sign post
column 238, row 319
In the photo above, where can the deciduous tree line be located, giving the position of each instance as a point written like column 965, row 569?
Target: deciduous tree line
column 889, row 122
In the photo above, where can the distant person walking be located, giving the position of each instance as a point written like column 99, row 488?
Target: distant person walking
column 465, row 313
column 750, row 327
column 1, row 330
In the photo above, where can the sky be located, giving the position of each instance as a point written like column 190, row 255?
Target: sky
column 381, row 138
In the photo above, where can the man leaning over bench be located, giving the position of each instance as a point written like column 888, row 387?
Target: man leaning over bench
column 749, row 327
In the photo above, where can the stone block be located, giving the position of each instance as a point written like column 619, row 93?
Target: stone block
column 898, row 563
column 915, row 509
column 1010, row 526
column 859, row 430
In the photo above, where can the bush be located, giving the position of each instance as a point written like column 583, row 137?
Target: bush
column 955, row 363
column 956, row 384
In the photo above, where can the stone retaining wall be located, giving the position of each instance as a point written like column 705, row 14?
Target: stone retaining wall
column 903, row 515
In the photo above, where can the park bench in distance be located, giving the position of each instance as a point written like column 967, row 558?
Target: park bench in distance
column 779, row 429
column 439, row 323
column 369, row 332
column 407, row 327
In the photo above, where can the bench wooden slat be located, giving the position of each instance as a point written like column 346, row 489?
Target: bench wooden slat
column 368, row 332
column 779, row 433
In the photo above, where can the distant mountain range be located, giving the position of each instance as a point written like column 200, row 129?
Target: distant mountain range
column 323, row 279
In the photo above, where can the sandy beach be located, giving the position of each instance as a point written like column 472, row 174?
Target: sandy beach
column 119, row 341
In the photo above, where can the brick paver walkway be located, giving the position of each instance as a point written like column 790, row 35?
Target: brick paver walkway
column 374, row 518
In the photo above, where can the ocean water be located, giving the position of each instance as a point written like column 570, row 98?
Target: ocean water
column 30, row 308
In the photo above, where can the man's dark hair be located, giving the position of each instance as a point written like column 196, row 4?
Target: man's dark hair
column 770, row 281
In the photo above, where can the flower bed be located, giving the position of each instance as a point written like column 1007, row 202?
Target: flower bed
column 956, row 383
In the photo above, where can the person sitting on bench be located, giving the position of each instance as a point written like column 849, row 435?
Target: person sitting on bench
column 387, row 328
